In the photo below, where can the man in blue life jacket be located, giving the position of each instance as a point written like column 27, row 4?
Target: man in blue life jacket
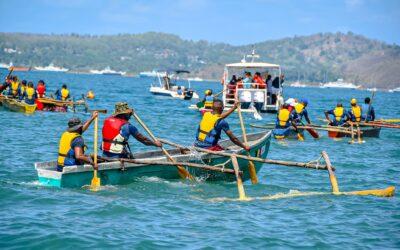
column 300, row 111
column 71, row 149
column 117, row 130
column 211, row 126
column 284, row 122
column 368, row 111
column 339, row 113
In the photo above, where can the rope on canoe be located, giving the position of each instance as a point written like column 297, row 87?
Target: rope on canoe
column 222, row 165
column 317, row 162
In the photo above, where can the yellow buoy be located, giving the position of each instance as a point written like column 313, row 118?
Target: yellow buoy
column 90, row 95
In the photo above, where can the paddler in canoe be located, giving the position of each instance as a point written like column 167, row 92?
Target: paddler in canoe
column 117, row 130
column 339, row 114
column 211, row 126
column 29, row 94
column 300, row 111
column 355, row 113
column 285, row 125
column 71, row 149
column 14, row 88
column 41, row 89
column 22, row 89
column 368, row 111
column 63, row 94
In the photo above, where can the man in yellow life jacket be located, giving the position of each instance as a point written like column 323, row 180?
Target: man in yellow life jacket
column 300, row 111
column 63, row 94
column 14, row 90
column 71, row 149
column 355, row 113
column 208, row 99
column 284, row 120
column 211, row 126
column 29, row 95
column 339, row 114
column 22, row 89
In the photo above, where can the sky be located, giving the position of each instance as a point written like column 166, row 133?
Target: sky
column 235, row 22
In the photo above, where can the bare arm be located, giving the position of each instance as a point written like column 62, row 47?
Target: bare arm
column 235, row 140
column 88, row 122
column 80, row 156
column 230, row 111
column 327, row 116
column 146, row 141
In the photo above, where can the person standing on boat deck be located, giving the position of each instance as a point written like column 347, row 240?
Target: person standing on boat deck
column 71, row 149
column 339, row 113
column 41, row 89
column 276, row 86
column 355, row 113
column 117, row 130
column 29, row 94
column 247, row 81
column 211, row 126
column 63, row 94
column 300, row 111
column 368, row 110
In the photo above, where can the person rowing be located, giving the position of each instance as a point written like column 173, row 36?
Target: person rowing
column 300, row 111
column 355, row 114
column 63, row 94
column 14, row 87
column 117, row 130
column 208, row 99
column 41, row 89
column 71, row 150
column 284, row 122
column 368, row 111
column 339, row 113
column 211, row 126
column 29, row 95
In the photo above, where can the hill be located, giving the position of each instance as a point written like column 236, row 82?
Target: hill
column 334, row 55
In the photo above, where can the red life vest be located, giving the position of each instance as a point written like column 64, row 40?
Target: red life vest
column 41, row 89
column 113, row 141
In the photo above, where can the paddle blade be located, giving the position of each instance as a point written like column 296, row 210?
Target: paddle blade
column 253, row 173
column 313, row 133
column 388, row 192
column 300, row 137
column 95, row 183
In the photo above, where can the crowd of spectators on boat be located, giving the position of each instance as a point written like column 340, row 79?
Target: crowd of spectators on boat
column 248, row 81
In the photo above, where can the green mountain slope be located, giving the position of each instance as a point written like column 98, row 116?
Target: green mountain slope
column 349, row 56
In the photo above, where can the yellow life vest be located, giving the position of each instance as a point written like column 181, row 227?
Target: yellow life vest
column 23, row 89
column 283, row 117
column 338, row 113
column 30, row 92
column 65, row 146
column 14, row 87
column 299, row 107
column 64, row 94
column 356, row 110
column 207, row 124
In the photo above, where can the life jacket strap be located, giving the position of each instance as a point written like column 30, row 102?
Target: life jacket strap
column 115, row 142
column 62, row 155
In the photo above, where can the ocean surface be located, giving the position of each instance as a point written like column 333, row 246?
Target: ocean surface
column 153, row 213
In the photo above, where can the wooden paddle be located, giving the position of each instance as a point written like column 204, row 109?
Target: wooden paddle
column 235, row 164
column 252, row 168
column 332, row 177
column 95, row 184
column 183, row 173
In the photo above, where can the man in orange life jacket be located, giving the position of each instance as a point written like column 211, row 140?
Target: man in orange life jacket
column 211, row 126
column 117, row 130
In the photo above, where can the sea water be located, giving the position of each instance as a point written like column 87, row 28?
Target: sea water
column 157, row 213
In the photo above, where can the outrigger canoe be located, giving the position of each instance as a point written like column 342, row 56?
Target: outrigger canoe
column 53, row 105
column 17, row 106
column 365, row 132
column 116, row 173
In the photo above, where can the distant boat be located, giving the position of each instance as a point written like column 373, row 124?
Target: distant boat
column 5, row 66
column 107, row 71
column 16, row 68
column 195, row 79
column 395, row 90
column 372, row 89
column 340, row 84
column 153, row 73
column 51, row 67
column 298, row 84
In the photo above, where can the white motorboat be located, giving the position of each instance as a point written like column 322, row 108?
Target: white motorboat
column 153, row 73
column 195, row 79
column 167, row 85
column 51, row 68
column 107, row 71
column 340, row 84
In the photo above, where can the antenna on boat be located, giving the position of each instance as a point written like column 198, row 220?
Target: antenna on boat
column 253, row 55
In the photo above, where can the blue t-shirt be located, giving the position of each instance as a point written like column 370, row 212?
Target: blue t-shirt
column 298, row 117
column 221, row 125
column 71, row 161
column 127, row 130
